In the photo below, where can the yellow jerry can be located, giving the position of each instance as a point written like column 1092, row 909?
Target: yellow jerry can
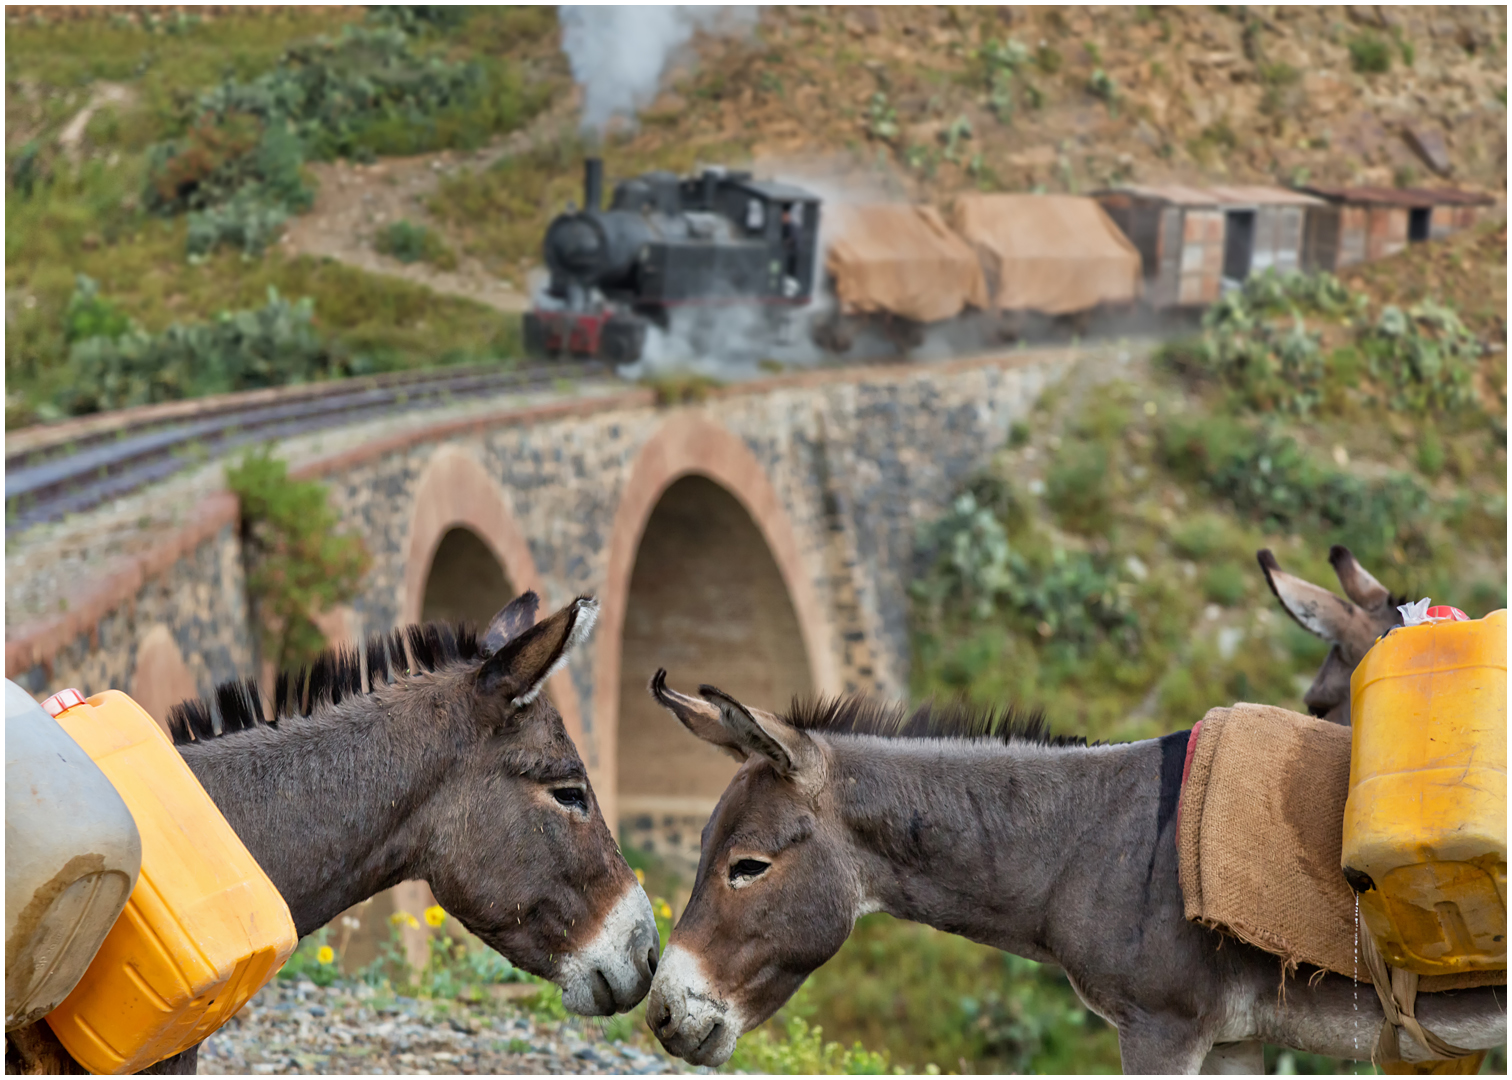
column 1425, row 826
column 204, row 928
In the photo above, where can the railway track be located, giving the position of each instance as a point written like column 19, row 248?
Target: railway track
column 77, row 465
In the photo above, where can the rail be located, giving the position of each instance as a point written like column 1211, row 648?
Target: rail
column 79, row 464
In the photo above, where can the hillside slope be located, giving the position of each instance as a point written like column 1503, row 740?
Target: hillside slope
column 924, row 102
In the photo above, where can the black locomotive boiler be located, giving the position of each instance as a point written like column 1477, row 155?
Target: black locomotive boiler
column 664, row 243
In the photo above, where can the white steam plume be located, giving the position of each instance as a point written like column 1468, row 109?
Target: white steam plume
column 619, row 54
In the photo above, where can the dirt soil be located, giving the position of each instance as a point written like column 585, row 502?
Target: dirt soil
column 355, row 201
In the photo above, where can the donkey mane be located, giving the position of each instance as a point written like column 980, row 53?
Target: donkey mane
column 862, row 714
column 335, row 675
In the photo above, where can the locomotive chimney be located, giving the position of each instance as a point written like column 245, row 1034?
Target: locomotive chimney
column 710, row 183
column 593, row 183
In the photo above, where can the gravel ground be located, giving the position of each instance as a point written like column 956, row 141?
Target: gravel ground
column 291, row 1027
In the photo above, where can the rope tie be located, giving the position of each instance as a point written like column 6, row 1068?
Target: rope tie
column 1397, row 990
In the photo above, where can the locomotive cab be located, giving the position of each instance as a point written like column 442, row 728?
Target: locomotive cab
column 717, row 239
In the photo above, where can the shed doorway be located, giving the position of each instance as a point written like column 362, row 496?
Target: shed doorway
column 1238, row 244
column 1419, row 223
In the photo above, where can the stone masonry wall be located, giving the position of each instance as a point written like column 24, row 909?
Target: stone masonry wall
column 201, row 598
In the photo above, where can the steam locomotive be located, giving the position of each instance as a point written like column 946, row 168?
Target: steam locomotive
column 664, row 243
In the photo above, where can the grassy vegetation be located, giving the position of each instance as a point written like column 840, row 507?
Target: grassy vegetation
column 298, row 564
column 89, row 209
column 408, row 243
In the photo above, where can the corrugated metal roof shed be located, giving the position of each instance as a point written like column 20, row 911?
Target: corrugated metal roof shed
column 1263, row 195
column 1218, row 195
column 1410, row 197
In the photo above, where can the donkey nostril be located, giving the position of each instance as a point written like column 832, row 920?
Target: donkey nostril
column 662, row 1019
column 651, row 959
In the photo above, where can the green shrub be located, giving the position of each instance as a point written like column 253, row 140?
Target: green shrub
column 1198, row 537
column 1430, row 452
column 1369, row 55
column 246, row 222
column 1102, row 85
column 1072, row 598
column 1225, row 583
column 91, row 315
column 1268, row 477
column 1001, row 61
column 298, row 564
column 793, row 1047
column 1255, row 340
column 410, row 243
column 1076, row 487
column 272, row 346
column 1424, row 356
column 223, row 154
column 1047, row 59
column 363, row 93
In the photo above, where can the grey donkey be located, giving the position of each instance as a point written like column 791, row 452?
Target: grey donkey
column 438, row 758
column 1350, row 626
column 1054, row 850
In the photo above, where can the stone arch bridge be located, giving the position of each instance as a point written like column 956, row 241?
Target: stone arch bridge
column 761, row 540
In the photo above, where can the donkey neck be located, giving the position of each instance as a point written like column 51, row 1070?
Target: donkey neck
column 981, row 838
column 333, row 806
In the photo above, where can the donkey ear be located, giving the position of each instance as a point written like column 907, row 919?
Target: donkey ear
column 699, row 717
column 1318, row 610
column 791, row 752
column 522, row 666
column 1359, row 585
column 513, row 619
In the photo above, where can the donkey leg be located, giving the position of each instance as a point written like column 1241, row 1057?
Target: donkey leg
column 1235, row 1059
column 1161, row 1046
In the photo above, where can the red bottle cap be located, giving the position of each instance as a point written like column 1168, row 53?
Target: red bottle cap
column 62, row 701
column 1444, row 611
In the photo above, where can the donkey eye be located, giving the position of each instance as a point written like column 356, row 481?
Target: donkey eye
column 745, row 871
column 573, row 798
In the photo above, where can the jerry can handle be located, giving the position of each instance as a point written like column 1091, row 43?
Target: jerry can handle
column 62, row 701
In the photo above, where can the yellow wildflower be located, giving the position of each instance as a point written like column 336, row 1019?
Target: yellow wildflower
column 664, row 909
column 640, row 876
column 434, row 915
column 325, row 954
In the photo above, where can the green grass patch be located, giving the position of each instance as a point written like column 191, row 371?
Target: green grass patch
column 922, row 997
column 410, row 243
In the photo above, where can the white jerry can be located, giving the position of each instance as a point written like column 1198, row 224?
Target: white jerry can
column 72, row 855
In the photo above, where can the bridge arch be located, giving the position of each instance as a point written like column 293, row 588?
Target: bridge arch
column 699, row 526
column 461, row 519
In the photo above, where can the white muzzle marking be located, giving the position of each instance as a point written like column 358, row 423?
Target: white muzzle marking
column 701, row 1025
column 613, row 971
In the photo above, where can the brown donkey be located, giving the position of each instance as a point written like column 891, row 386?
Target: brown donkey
column 1350, row 626
column 1053, row 850
column 449, row 765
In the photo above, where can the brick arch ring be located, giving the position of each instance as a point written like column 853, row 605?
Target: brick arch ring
column 455, row 490
column 690, row 444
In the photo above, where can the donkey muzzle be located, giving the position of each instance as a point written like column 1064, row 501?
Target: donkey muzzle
column 613, row 971
column 684, row 1013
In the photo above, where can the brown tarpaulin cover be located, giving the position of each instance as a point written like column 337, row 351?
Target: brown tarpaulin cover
column 1050, row 253
column 902, row 260
column 1260, row 837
